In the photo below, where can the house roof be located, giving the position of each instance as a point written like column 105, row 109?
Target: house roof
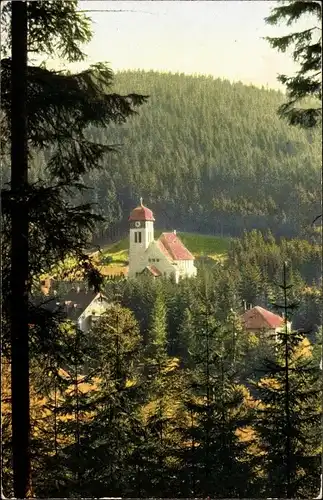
column 42, row 308
column 153, row 270
column 49, row 304
column 164, row 250
column 80, row 296
column 77, row 300
column 172, row 246
column 258, row 318
column 141, row 213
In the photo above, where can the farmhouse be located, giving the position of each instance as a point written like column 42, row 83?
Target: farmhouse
column 80, row 305
column 260, row 320
column 166, row 256
column 84, row 307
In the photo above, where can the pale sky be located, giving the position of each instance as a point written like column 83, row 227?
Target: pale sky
column 221, row 38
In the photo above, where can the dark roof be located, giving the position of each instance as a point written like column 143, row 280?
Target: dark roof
column 44, row 309
column 70, row 305
column 77, row 300
column 81, row 297
column 50, row 304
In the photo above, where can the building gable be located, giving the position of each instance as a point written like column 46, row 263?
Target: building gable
column 259, row 318
column 96, row 307
column 157, row 253
column 175, row 247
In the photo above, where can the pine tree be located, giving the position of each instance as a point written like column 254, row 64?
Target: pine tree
column 307, row 52
column 64, row 387
column 165, row 385
column 289, row 414
column 60, row 109
column 114, row 431
column 214, row 458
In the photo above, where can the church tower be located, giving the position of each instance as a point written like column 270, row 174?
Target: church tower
column 141, row 231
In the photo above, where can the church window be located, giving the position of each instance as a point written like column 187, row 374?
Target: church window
column 137, row 237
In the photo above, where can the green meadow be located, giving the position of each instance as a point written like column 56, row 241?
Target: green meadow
column 200, row 245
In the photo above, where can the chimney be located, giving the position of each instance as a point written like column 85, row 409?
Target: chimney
column 174, row 232
column 244, row 305
column 78, row 289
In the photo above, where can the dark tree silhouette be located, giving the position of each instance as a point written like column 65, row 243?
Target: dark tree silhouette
column 307, row 52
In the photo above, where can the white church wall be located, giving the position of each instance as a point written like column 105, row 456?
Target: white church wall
column 155, row 257
column 144, row 251
column 186, row 268
column 140, row 240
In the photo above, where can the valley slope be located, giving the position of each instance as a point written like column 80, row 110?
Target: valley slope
column 207, row 156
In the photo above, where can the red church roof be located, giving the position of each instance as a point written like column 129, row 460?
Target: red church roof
column 153, row 270
column 173, row 248
column 141, row 213
column 259, row 318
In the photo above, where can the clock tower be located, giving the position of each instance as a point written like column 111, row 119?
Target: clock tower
column 141, row 234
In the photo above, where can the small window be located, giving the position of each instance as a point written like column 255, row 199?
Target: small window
column 136, row 237
column 139, row 237
column 157, row 260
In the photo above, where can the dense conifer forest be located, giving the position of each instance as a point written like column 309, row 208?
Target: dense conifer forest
column 169, row 392
column 207, row 156
column 169, row 396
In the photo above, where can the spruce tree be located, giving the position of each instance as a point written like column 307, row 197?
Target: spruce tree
column 288, row 414
column 60, row 108
column 214, row 458
column 307, row 52
column 65, row 389
column 164, row 386
column 114, row 428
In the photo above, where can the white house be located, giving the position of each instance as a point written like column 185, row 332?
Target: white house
column 166, row 256
column 85, row 307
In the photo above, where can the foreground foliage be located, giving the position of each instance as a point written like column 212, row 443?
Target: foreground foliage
column 304, row 90
column 168, row 394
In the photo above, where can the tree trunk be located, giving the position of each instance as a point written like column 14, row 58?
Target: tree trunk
column 19, row 254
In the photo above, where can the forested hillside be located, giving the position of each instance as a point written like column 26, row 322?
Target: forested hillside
column 207, row 156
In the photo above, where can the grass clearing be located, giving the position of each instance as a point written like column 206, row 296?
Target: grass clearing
column 200, row 245
column 205, row 245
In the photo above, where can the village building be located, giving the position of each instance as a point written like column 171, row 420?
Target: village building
column 166, row 256
column 261, row 321
column 85, row 307
column 79, row 305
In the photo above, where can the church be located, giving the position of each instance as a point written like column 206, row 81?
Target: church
column 166, row 256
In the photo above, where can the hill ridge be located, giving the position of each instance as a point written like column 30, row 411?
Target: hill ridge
column 209, row 156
